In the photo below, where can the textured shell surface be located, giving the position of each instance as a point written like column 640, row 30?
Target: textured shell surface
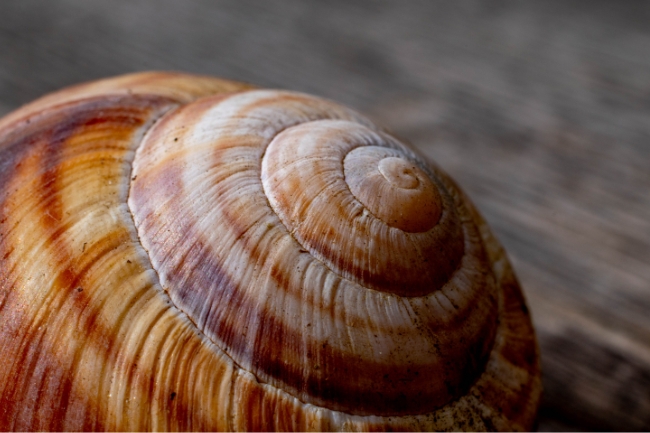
column 181, row 252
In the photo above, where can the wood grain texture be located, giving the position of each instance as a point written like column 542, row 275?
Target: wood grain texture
column 539, row 110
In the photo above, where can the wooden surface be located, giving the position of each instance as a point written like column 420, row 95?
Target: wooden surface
column 540, row 110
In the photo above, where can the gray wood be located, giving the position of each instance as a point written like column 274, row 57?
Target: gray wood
column 539, row 109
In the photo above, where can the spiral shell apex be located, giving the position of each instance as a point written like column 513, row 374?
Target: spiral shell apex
column 186, row 253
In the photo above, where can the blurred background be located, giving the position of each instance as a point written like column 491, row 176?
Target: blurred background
column 540, row 110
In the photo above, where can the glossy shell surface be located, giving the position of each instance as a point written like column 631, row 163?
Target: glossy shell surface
column 186, row 253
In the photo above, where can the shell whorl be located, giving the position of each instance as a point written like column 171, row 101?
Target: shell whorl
column 260, row 218
column 258, row 259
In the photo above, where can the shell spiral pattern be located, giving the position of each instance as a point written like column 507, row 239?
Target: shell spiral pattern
column 187, row 253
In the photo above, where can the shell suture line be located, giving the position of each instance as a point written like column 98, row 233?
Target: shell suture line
column 134, row 155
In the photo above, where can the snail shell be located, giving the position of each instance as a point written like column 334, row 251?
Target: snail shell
column 186, row 253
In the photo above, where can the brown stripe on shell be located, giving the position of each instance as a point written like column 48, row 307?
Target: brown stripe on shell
column 101, row 399
column 341, row 379
column 46, row 352
column 180, row 87
column 255, row 322
column 504, row 383
column 104, row 360
column 304, row 177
